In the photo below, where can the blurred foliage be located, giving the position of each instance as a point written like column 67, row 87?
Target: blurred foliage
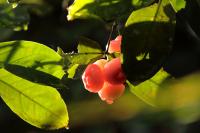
column 37, row 7
column 16, row 18
column 3, row 1
column 13, row 1
column 181, row 97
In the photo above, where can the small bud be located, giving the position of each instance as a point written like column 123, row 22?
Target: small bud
column 115, row 45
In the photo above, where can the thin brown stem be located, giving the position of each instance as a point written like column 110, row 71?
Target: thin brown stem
column 110, row 36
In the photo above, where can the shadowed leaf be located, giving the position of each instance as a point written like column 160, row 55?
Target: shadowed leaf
column 142, row 49
column 13, row 18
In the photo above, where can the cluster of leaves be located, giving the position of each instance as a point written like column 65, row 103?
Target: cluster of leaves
column 30, row 72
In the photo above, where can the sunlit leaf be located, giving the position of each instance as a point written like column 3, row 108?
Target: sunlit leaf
column 88, row 46
column 41, row 106
column 178, row 4
column 104, row 9
column 32, row 61
column 140, row 39
column 88, row 52
column 72, row 71
column 148, row 90
column 82, row 59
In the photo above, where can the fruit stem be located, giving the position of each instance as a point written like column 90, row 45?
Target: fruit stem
column 110, row 36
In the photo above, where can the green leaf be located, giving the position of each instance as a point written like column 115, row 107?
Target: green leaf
column 32, row 61
column 39, row 105
column 143, row 50
column 104, row 9
column 88, row 52
column 76, row 71
column 60, row 51
column 14, row 18
column 178, row 4
column 72, row 71
column 148, row 90
column 80, row 58
column 88, row 46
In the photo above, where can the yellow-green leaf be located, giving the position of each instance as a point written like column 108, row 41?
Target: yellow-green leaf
column 104, row 9
column 147, row 90
column 178, row 4
column 32, row 61
column 39, row 105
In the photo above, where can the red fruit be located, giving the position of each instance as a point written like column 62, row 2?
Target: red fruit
column 115, row 45
column 119, row 38
column 93, row 78
column 110, row 92
column 101, row 63
column 113, row 72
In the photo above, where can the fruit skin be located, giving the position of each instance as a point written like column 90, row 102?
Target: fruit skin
column 93, row 78
column 110, row 92
column 119, row 38
column 101, row 63
column 113, row 72
column 115, row 45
